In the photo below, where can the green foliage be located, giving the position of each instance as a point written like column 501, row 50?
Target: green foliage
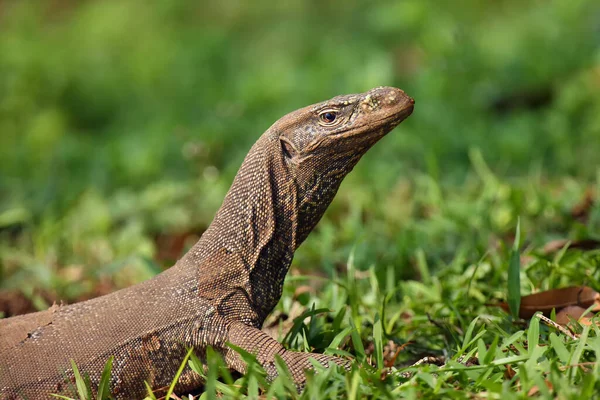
column 514, row 275
column 104, row 386
column 122, row 125
column 84, row 387
column 178, row 374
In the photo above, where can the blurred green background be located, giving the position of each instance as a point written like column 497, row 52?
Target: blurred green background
column 123, row 122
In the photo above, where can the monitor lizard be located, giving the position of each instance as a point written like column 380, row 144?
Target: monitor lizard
column 224, row 287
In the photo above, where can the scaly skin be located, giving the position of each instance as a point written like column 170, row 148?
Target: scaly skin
column 223, row 289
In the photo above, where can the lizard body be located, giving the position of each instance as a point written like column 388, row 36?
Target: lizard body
column 224, row 287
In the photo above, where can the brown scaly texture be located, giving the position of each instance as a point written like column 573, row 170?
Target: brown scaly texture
column 223, row 288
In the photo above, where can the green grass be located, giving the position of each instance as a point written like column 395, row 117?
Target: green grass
column 122, row 125
column 487, row 354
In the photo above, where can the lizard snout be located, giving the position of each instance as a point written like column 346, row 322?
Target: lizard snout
column 389, row 99
column 391, row 96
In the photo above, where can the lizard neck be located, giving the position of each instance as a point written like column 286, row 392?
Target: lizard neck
column 245, row 253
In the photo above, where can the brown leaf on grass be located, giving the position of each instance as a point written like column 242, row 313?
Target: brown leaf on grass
column 391, row 351
column 565, row 315
column 535, row 389
column 555, row 245
column 582, row 296
column 509, row 373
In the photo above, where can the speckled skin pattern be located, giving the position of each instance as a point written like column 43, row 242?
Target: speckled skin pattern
column 222, row 290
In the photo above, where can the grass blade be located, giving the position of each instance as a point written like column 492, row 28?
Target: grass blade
column 104, row 386
column 151, row 395
column 559, row 348
column 82, row 390
column 178, row 374
column 533, row 334
column 514, row 275
column 357, row 343
column 378, row 339
column 335, row 343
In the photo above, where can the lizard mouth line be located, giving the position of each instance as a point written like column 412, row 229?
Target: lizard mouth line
column 399, row 116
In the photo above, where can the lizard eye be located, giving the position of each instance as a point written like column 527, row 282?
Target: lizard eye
column 328, row 117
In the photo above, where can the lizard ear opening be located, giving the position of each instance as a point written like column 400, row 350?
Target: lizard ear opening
column 286, row 147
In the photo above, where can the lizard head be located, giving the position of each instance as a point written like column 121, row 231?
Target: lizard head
column 282, row 189
column 343, row 126
column 320, row 144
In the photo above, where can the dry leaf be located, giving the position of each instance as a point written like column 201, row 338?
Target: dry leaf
column 391, row 352
column 535, row 389
column 582, row 296
column 555, row 245
column 509, row 373
column 573, row 312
